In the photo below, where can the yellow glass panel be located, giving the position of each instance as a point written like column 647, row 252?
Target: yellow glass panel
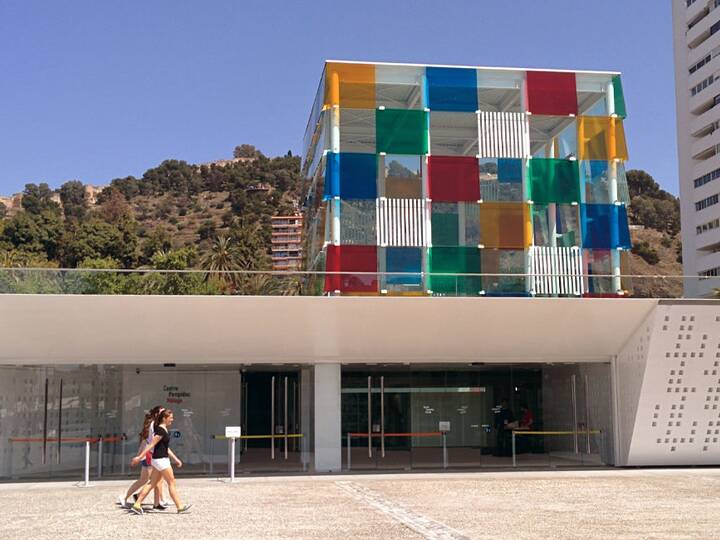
column 505, row 225
column 350, row 85
column 601, row 138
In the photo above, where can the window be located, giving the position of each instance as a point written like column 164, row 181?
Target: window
column 690, row 2
column 712, row 272
column 709, row 226
column 705, row 178
column 708, row 201
column 702, row 85
column 700, row 64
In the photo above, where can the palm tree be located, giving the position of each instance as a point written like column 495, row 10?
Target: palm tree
column 222, row 261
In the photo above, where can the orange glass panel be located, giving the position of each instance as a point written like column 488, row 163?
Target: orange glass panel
column 350, row 85
column 505, row 225
column 601, row 138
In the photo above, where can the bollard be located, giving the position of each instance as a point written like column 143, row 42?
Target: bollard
column 100, row 456
column 212, row 453
column 513, row 450
column 445, row 454
column 232, row 459
column 348, row 451
column 87, row 464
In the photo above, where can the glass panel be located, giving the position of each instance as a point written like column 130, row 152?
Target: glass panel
column 351, row 176
column 453, row 178
column 595, row 178
column 619, row 97
column 503, row 261
column 351, row 259
column 399, row 87
column 604, row 226
column 553, row 137
column 454, row 260
column 505, row 225
column 452, row 89
column 357, row 130
column 567, row 226
column 401, row 131
column 406, row 260
column 601, row 138
column 357, row 222
column 455, row 224
column 402, row 176
column 622, row 187
column 554, row 180
column 501, row 179
column 499, row 91
column 592, row 94
column 552, row 93
column 350, row 85
column 453, row 133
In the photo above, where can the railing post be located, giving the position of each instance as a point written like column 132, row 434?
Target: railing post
column 513, row 449
column 212, row 453
column 123, row 440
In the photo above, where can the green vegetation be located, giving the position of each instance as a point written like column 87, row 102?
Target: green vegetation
column 177, row 216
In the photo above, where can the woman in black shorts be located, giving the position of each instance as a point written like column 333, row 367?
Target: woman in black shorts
column 162, row 470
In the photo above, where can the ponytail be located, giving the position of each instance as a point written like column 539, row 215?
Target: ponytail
column 150, row 417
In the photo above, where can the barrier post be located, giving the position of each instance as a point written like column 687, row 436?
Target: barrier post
column 348, row 451
column 513, row 449
column 123, row 439
column 87, row 464
column 445, row 454
column 100, row 456
column 232, row 459
column 212, row 453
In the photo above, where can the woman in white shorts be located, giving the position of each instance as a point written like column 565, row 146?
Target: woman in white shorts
column 162, row 469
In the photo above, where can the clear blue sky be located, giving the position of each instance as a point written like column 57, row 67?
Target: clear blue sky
column 95, row 90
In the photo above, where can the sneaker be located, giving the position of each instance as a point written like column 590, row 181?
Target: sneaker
column 122, row 503
column 185, row 509
column 135, row 497
column 135, row 509
column 167, row 504
column 160, row 506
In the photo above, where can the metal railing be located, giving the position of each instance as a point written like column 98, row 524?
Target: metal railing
column 82, row 281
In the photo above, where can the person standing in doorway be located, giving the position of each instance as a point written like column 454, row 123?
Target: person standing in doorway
column 162, row 469
column 504, row 420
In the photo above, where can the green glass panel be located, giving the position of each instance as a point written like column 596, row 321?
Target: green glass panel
column 401, row 131
column 619, row 97
column 444, row 229
column 554, row 181
column 454, row 260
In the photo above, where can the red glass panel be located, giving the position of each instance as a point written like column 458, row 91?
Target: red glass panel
column 351, row 259
column 551, row 93
column 454, row 179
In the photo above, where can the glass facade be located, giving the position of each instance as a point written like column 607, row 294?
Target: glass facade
column 485, row 159
column 48, row 413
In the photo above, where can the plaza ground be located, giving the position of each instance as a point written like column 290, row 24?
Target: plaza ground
column 667, row 503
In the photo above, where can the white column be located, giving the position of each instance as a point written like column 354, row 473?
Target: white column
column 612, row 180
column 328, row 446
column 530, row 280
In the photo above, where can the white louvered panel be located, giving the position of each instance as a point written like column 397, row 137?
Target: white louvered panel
column 557, row 270
column 402, row 222
column 504, row 134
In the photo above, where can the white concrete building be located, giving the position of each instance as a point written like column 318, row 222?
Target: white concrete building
column 696, row 37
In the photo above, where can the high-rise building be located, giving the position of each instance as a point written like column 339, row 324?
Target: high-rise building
column 286, row 242
column 697, row 72
column 421, row 178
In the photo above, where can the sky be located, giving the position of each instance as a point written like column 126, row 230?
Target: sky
column 98, row 90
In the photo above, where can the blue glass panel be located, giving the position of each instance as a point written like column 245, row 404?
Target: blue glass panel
column 351, row 176
column 452, row 89
column 509, row 170
column 403, row 259
column 604, row 226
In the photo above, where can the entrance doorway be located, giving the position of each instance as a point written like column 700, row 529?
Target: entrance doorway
column 272, row 435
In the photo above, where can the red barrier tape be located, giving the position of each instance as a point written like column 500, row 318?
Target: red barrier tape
column 92, row 440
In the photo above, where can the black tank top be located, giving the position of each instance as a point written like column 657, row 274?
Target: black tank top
column 161, row 448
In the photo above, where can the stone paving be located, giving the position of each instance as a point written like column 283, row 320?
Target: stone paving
column 618, row 504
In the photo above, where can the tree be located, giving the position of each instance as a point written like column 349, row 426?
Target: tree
column 221, row 262
column 171, row 176
column 207, row 229
column 38, row 198
column 94, row 239
column 652, row 206
column 177, row 283
column 246, row 151
column 114, row 207
column 35, row 233
column 74, row 200
column 3, row 210
column 159, row 240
